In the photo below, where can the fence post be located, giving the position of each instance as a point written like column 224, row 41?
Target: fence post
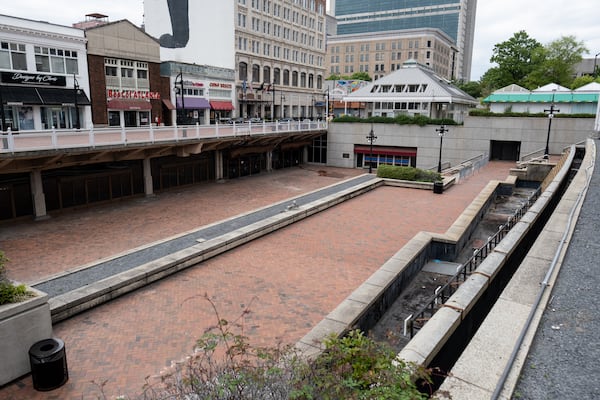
column 91, row 136
column 53, row 137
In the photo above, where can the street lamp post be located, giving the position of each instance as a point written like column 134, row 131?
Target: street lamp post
column 181, row 112
column 282, row 106
column 595, row 73
column 371, row 138
column 550, row 112
column 76, row 90
column 441, row 132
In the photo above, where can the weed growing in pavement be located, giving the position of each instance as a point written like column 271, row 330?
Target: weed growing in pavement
column 225, row 366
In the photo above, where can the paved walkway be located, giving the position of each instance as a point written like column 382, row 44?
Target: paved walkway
column 290, row 278
column 563, row 360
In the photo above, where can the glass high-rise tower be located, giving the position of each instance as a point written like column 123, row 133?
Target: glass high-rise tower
column 456, row 18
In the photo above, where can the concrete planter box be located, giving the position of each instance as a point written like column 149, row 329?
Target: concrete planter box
column 21, row 325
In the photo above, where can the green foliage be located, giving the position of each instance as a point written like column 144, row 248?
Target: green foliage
column 557, row 63
column 225, row 366
column 522, row 60
column 407, row 173
column 356, row 367
column 516, row 58
column 582, row 81
column 401, row 119
column 472, row 88
column 9, row 292
column 361, row 76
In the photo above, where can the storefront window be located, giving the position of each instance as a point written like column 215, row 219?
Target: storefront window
column 26, row 118
column 114, row 118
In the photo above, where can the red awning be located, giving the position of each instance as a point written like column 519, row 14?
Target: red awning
column 168, row 104
column 221, row 105
column 390, row 151
column 129, row 104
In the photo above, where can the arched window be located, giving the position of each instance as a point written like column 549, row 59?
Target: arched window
column 277, row 76
column 243, row 71
column 286, row 77
column 311, row 81
column 267, row 74
column 255, row 73
column 319, row 82
column 295, row 78
column 303, row 79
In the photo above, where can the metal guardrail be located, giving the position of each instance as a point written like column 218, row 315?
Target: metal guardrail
column 55, row 139
column 415, row 321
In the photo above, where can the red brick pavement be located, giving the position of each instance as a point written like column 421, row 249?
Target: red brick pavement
column 292, row 277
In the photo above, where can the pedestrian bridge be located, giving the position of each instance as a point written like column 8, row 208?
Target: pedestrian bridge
column 55, row 139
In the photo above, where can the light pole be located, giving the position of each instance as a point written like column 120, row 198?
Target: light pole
column 595, row 73
column 441, row 132
column 179, row 81
column 282, row 106
column 76, row 92
column 550, row 112
column 371, row 138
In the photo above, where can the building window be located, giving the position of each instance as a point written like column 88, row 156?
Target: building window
column 243, row 71
column 286, row 77
column 267, row 74
column 277, row 76
column 295, row 78
column 255, row 73
column 59, row 61
column 12, row 56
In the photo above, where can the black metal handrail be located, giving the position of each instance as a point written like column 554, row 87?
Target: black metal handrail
column 416, row 320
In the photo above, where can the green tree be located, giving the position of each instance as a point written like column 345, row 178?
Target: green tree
column 472, row 88
column 558, row 62
column 581, row 81
column 334, row 77
column 516, row 58
column 363, row 76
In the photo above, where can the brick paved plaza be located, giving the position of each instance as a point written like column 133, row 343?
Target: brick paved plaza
column 292, row 278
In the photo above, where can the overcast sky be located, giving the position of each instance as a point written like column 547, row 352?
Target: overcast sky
column 497, row 20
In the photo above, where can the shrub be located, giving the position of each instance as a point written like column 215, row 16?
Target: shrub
column 10, row 293
column 407, row 173
column 356, row 367
column 225, row 366
column 401, row 119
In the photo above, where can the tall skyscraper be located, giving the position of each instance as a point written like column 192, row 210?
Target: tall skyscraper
column 456, row 18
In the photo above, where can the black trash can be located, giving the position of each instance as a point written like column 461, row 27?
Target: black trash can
column 438, row 187
column 48, row 361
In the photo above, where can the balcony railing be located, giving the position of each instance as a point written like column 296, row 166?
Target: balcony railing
column 55, row 139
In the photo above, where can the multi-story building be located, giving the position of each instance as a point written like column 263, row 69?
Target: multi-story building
column 380, row 53
column 125, row 82
column 43, row 76
column 456, row 18
column 280, row 58
column 276, row 49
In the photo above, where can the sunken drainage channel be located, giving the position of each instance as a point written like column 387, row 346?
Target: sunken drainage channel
column 460, row 338
column 415, row 321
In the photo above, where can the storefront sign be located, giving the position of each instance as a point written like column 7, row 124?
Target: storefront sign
column 22, row 78
column 220, row 85
column 131, row 94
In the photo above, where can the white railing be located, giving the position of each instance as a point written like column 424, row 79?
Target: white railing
column 11, row 142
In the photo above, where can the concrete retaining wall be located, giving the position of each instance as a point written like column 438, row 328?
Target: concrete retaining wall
column 461, row 142
column 365, row 306
column 477, row 372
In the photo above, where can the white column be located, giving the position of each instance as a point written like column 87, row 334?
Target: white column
column 269, row 161
column 37, row 193
column 218, row 165
column 148, row 185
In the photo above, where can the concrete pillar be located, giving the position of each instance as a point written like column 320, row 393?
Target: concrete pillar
column 304, row 154
column 269, row 161
column 37, row 193
column 148, row 185
column 218, row 165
